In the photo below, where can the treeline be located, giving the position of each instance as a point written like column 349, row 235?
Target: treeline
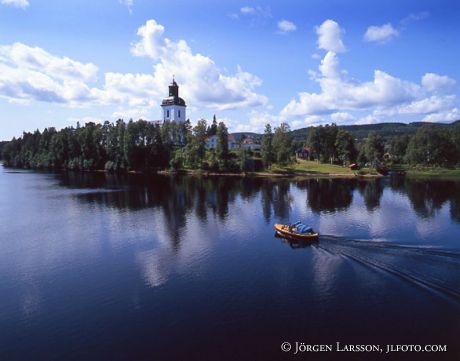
column 430, row 145
column 139, row 146
column 148, row 147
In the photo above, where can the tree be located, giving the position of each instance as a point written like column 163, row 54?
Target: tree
column 195, row 149
column 431, row 145
column 398, row 146
column 222, row 145
column 373, row 148
column 243, row 159
column 267, row 147
column 345, row 147
column 212, row 129
column 328, row 146
column 455, row 135
column 314, row 140
column 282, row 144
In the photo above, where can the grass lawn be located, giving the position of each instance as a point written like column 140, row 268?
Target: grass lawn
column 311, row 167
column 434, row 172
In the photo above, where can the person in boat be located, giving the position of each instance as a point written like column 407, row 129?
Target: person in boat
column 300, row 228
column 294, row 225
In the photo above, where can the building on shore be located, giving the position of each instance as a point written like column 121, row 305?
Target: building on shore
column 211, row 142
column 250, row 144
column 174, row 106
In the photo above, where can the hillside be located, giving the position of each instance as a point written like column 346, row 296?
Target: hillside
column 386, row 130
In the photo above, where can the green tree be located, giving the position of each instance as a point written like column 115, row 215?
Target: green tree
column 267, row 147
column 212, row 129
column 222, row 145
column 243, row 159
column 455, row 135
column 374, row 148
column 345, row 147
column 398, row 147
column 282, row 144
column 328, row 146
column 314, row 141
column 431, row 145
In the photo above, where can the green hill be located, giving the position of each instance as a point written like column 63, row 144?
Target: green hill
column 386, row 130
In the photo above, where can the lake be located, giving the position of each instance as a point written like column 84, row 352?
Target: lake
column 105, row 267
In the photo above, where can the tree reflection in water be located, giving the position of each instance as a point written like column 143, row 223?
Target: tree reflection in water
column 371, row 191
column 178, row 195
column 328, row 195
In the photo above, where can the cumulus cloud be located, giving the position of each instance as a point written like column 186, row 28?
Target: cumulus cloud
column 201, row 80
column 31, row 73
column 380, row 34
column 341, row 117
column 286, row 26
column 330, row 36
column 385, row 95
column 437, row 83
column 17, row 3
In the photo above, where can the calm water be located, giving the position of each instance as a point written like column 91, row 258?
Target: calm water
column 99, row 267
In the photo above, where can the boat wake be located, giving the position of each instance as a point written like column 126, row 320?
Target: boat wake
column 435, row 269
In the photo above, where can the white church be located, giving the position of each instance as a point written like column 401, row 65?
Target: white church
column 174, row 106
column 174, row 110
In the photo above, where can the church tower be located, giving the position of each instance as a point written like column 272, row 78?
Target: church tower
column 174, row 106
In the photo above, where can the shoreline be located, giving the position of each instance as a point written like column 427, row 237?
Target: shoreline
column 269, row 175
column 416, row 173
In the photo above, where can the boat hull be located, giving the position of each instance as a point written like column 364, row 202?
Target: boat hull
column 283, row 230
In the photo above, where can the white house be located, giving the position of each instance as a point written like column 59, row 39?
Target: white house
column 232, row 143
column 211, row 142
column 174, row 106
column 249, row 143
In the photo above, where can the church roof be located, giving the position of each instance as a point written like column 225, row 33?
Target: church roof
column 173, row 98
column 173, row 101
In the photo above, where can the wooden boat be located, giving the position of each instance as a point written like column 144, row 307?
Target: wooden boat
column 292, row 231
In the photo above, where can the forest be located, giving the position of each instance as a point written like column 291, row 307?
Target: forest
column 144, row 146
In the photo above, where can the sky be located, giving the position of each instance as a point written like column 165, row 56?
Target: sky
column 249, row 62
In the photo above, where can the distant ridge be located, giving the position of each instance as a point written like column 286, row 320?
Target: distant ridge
column 386, row 130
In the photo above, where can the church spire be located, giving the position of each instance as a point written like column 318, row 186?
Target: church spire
column 174, row 89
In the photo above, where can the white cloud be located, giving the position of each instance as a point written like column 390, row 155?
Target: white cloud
column 201, row 81
column 129, row 4
column 428, row 105
column 383, row 96
column 434, row 82
column 258, row 11
column 286, row 26
column 17, row 3
column 30, row 73
column 330, row 36
column 380, row 34
column 445, row 116
column 411, row 18
column 36, row 59
column 339, row 93
column 341, row 116
column 247, row 10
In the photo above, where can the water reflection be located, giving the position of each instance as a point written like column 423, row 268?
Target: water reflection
column 151, row 260
column 178, row 195
column 328, row 195
column 371, row 191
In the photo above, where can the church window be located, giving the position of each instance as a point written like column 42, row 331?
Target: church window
column 167, row 114
column 178, row 113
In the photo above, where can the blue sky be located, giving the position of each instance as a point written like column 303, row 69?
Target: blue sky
column 248, row 62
